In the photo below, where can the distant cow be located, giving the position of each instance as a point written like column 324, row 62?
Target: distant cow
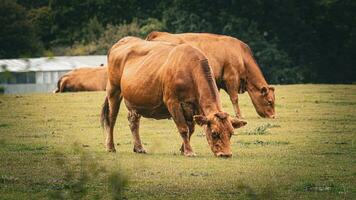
column 161, row 80
column 234, row 67
column 83, row 79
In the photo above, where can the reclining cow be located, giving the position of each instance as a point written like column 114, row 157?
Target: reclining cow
column 83, row 79
column 162, row 80
column 234, row 67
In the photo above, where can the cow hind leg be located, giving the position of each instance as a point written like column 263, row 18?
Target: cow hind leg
column 134, row 123
column 232, row 90
column 109, row 114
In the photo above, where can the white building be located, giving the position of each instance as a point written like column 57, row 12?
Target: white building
column 40, row 74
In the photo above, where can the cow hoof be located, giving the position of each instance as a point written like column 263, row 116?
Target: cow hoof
column 239, row 117
column 181, row 150
column 139, row 150
column 190, row 154
column 112, row 150
column 110, row 147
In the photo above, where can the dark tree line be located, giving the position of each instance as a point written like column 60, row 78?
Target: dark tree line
column 294, row 41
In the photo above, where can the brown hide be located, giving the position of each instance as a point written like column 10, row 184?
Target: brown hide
column 235, row 70
column 161, row 80
column 83, row 79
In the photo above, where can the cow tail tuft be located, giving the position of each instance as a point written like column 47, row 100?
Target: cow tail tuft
column 104, row 118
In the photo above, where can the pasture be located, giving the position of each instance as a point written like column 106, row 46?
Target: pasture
column 52, row 147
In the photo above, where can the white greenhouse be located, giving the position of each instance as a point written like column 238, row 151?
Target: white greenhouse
column 40, row 74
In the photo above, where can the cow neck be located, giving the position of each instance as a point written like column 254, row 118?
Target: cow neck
column 208, row 105
column 254, row 76
column 209, row 99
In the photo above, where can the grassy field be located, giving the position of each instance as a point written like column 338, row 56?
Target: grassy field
column 52, row 147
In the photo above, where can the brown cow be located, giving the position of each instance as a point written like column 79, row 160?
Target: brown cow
column 83, row 79
column 161, row 80
column 235, row 69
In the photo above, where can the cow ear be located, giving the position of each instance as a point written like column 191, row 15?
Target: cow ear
column 200, row 120
column 264, row 91
column 237, row 123
column 271, row 88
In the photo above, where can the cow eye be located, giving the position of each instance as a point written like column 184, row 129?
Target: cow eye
column 215, row 135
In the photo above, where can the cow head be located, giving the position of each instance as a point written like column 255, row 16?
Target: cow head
column 263, row 100
column 218, row 129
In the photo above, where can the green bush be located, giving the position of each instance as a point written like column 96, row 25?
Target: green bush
column 99, row 40
column 274, row 62
column 112, row 34
column 42, row 20
column 92, row 31
column 17, row 33
column 149, row 25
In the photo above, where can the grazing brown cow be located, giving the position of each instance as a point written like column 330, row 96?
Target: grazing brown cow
column 161, row 80
column 83, row 79
column 234, row 67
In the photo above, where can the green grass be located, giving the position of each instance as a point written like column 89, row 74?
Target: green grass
column 52, row 147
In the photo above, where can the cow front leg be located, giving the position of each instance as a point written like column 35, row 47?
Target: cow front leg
column 177, row 114
column 134, row 123
column 191, row 129
column 186, row 148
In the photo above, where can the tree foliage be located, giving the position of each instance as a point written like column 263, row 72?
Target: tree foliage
column 293, row 41
column 17, row 34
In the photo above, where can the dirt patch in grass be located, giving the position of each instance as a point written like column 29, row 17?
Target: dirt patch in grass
column 261, row 130
column 262, row 143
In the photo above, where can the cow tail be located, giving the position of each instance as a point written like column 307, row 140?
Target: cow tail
column 104, row 118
